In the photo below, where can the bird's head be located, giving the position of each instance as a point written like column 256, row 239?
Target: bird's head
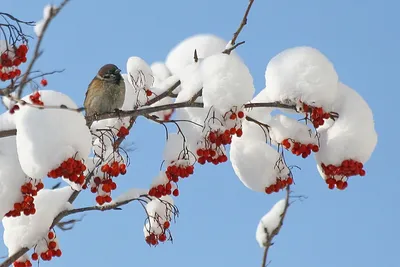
column 110, row 72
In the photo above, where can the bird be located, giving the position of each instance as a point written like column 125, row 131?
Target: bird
column 106, row 92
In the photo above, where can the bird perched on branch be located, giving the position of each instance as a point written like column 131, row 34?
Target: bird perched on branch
column 106, row 92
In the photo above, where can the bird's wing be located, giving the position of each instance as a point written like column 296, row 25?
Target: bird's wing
column 94, row 83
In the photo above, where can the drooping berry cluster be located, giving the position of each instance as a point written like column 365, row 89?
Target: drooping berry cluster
column 123, row 132
column 317, row 115
column 50, row 251
column 70, row 169
column 298, row 148
column 103, row 185
column 35, row 98
column 212, row 148
column 9, row 62
column 280, row 184
column 27, row 205
column 337, row 175
column 177, row 169
column 153, row 239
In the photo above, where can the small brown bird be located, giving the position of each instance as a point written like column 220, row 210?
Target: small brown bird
column 106, row 92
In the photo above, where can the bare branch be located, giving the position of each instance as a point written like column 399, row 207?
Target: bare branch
column 36, row 54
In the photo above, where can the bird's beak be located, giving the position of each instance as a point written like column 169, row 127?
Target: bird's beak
column 118, row 71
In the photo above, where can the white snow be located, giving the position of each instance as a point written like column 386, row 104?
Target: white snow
column 160, row 72
column 302, row 73
column 7, row 121
column 161, row 88
column 254, row 162
column 38, row 28
column 47, row 137
column 183, row 53
column 11, row 175
column 139, row 73
column 159, row 212
column 227, row 82
column 352, row 135
column 26, row 231
column 283, row 127
column 130, row 194
column 254, row 132
column 173, row 147
column 269, row 222
column 191, row 81
column 131, row 95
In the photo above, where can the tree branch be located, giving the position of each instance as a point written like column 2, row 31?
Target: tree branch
column 36, row 54
column 270, row 236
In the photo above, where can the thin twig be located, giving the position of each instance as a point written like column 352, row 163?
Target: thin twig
column 37, row 53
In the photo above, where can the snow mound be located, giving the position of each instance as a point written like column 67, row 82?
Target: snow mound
column 139, row 73
column 174, row 147
column 26, row 231
column 131, row 95
column 283, row 127
column 302, row 73
column 191, row 82
column 11, row 175
column 7, row 121
column 269, row 222
column 47, row 137
column 160, row 72
column 227, row 82
column 255, row 163
column 352, row 135
column 183, row 53
column 159, row 211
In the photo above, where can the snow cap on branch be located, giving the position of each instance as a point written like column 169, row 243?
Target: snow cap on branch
column 227, row 82
column 26, row 231
column 46, row 137
column 269, row 223
column 352, row 135
column 183, row 53
column 302, row 74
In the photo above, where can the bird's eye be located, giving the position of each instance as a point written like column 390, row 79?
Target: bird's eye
column 106, row 76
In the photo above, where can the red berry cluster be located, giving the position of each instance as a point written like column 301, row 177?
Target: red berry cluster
column 35, row 98
column 346, row 169
column 27, row 206
column 280, row 184
column 174, row 172
column 123, row 131
column 52, row 250
column 8, row 66
column 104, row 186
column 317, row 115
column 298, row 148
column 70, row 169
column 13, row 109
column 26, row 263
column 212, row 151
column 153, row 239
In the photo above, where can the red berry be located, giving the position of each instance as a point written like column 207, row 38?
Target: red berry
column 166, row 225
column 240, row 114
column 35, row 256
column 43, row 82
column 175, row 192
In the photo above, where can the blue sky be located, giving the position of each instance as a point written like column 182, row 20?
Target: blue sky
column 218, row 215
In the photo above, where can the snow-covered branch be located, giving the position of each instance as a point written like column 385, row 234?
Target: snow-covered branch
column 271, row 224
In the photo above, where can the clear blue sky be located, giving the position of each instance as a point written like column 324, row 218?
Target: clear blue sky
column 216, row 227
